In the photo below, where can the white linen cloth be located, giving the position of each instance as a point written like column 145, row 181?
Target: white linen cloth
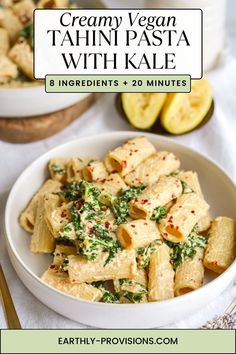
column 217, row 139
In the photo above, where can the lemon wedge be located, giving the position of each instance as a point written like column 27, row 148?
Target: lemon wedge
column 142, row 109
column 183, row 112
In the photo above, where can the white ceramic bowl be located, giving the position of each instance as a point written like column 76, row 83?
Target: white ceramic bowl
column 33, row 101
column 217, row 187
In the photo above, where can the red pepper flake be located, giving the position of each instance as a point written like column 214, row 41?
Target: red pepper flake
column 193, row 211
column 172, row 226
column 165, row 233
column 132, row 225
column 214, row 263
column 107, row 224
column 163, row 158
column 123, row 163
column 52, row 266
column 91, row 229
column 104, row 208
column 144, row 201
column 79, row 204
column 177, row 227
column 64, row 213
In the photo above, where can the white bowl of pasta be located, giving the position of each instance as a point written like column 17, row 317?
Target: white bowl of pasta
column 32, row 100
column 120, row 248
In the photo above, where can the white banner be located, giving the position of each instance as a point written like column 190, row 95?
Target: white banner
column 118, row 42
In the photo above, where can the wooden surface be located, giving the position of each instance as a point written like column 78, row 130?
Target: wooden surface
column 26, row 130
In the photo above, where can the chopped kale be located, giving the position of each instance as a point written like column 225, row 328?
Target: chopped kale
column 133, row 297
column 182, row 250
column 64, row 264
column 58, row 169
column 158, row 214
column 186, row 188
column 144, row 253
column 119, row 205
column 28, row 33
column 110, row 298
column 132, row 290
column 89, row 233
column 174, row 173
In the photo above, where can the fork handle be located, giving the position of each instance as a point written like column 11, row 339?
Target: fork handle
column 9, row 308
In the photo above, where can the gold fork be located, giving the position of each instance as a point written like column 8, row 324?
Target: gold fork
column 8, row 306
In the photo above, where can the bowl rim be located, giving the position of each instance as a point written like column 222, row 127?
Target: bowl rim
column 126, row 135
column 24, row 88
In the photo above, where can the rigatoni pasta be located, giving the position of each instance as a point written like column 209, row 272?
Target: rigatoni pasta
column 182, row 217
column 190, row 182
column 42, row 241
column 127, row 157
column 190, row 274
column 137, row 233
column 149, row 171
column 161, row 275
column 159, row 194
column 4, row 41
column 81, row 270
column 95, row 170
column 220, row 251
column 111, row 185
column 27, row 217
column 115, row 239
column 60, row 281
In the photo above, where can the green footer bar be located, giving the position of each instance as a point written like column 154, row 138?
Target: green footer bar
column 117, row 83
column 117, row 341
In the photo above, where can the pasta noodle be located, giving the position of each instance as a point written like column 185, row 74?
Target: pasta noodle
column 182, row 217
column 122, row 266
column 4, row 41
column 24, row 10
column 159, row 194
column 94, row 171
column 42, row 240
column 161, row 275
column 127, row 157
column 191, row 179
column 22, row 55
column 149, row 171
column 10, row 22
column 27, row 217
column 220, row 251
column 137, row 233
column 61, row 282
column 56, row 215
column 111, row 185
column 190, row 274
column 8, row 70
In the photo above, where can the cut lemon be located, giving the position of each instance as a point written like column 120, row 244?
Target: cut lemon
column 142, row 109
column 183, row 112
